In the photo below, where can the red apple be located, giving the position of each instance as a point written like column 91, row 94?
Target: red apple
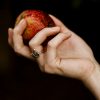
column 36, row 21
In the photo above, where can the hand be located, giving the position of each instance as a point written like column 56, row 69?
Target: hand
column 15, row 38
column 74, row 58
column 67, row 54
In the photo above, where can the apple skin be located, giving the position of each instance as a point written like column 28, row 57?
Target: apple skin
column 36, row 21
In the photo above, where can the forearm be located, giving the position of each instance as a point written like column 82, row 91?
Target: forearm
column 93, row 82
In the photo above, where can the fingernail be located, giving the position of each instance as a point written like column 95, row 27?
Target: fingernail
column 23, row 20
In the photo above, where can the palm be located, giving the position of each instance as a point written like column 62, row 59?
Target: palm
column 76, row 56
column 74, row 47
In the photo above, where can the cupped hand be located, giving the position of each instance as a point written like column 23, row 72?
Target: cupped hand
column 67, row 54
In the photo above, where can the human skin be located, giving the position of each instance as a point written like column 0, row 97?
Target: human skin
column 70, row 55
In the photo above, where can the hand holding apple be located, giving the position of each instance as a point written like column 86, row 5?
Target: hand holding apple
column 36, row 21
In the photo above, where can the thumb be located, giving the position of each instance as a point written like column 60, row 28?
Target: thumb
column 58, row 23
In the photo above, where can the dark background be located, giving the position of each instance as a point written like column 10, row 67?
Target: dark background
column 20, row 78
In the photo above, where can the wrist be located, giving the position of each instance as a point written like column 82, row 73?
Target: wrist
column 93, row 81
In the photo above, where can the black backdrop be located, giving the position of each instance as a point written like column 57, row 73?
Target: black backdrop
column 21, row 79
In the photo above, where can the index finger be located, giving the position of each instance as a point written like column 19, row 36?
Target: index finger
column 41, row 36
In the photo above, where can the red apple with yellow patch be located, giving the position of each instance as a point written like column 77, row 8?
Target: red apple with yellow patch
column 36, row 21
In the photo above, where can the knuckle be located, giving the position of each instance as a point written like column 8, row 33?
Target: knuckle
column 31, row 44
column 51, row 44
column 63, row 34
column 44, row 31
column 66, row 35
column 51, row 68
column 17, row 50
column 16, row 29
column 48, row 70
column 47, row 29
